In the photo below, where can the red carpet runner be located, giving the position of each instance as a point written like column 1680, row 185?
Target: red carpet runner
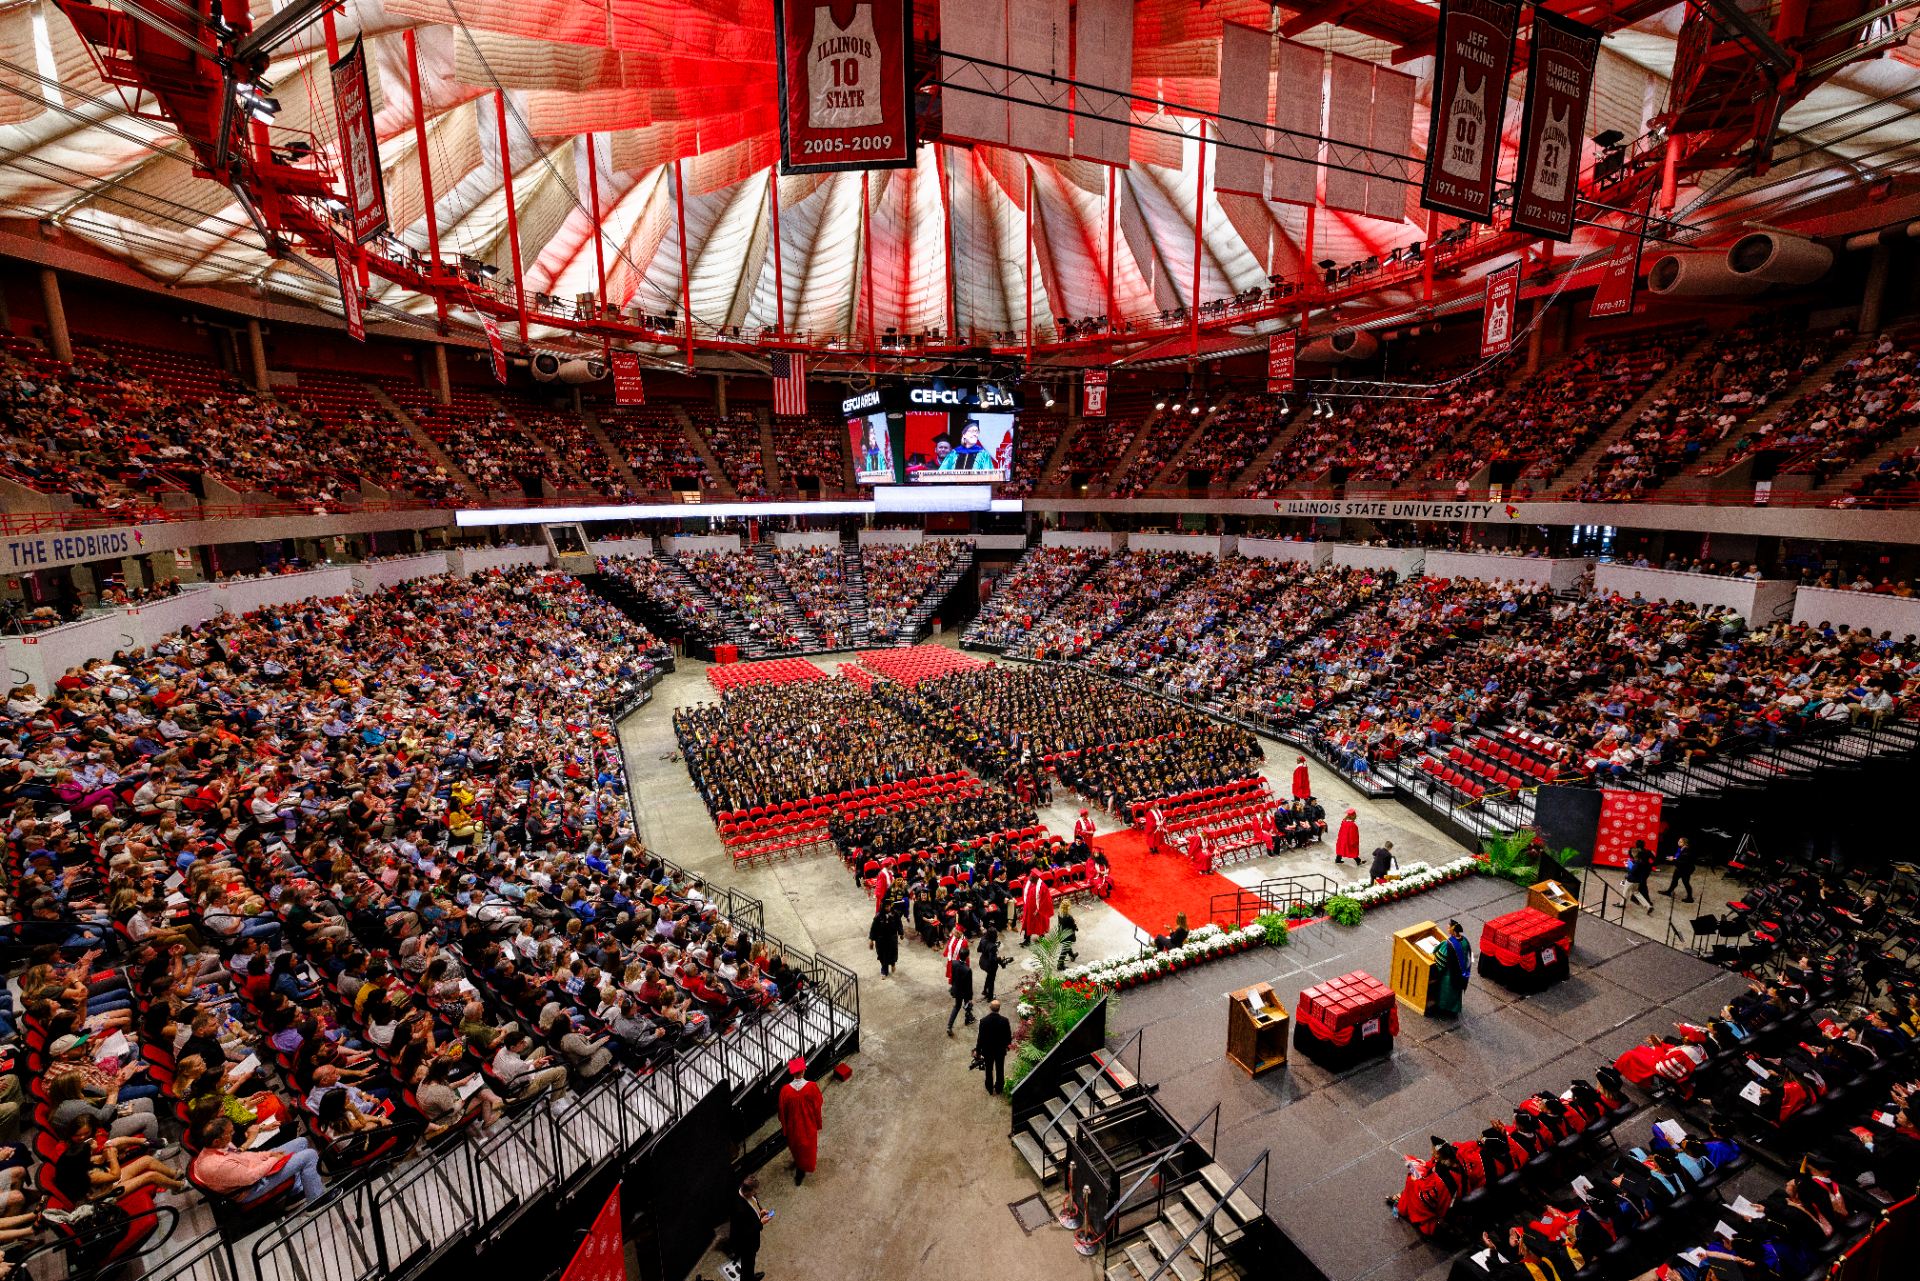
column 1149, row 889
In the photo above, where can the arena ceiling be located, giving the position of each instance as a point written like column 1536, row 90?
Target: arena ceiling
column 630, row 86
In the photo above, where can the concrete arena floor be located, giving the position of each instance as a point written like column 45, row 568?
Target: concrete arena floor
column 915, row 1172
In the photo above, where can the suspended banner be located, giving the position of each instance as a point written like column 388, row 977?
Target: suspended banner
column 349, row 293
column 359, row 146
column 1093, row 394
column 1242, row 140
column 1475, row 58
column 1613, row 296
column 1553, row 124
column 1299, row 112
column 1496, row 319
column 1102, row 119
column 494, row 346
column 1280, row 353
column 844, row 100
column 629, row 388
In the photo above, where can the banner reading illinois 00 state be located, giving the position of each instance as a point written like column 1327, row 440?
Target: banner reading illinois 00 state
column 844, row 80
column 1469, row 106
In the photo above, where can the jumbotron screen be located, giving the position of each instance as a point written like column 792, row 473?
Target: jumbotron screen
column 932, row 433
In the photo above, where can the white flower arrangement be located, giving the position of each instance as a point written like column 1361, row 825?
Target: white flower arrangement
column 1205, row 943
column 1412, row 878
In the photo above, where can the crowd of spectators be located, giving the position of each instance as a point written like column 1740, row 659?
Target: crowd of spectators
column 1245, row 424
column 816, row 578
column 656, row 448
column 1870, row 400
column 898, row 578
column 739, row 584
column 1038, row 436
column 812, row 446
column 1741, row 373
column 481, row 438
column 1125, row 584
column 735, row 442
column 372, row 877
column 1043, row 575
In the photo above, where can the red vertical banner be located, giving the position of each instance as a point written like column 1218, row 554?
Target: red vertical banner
column 494, row 346
column 1625, row 817
column 844, row 101
column 1093, row 394
column 359, row 146
column 1280, row 354
column 602, row 1256
column 1470, row 75
column 349, row 293
column 1496, row 316
column 629, row 386
column 1619, row 277
column 1553, row 123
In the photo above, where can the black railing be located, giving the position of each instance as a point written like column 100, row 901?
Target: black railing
column 1279, row 894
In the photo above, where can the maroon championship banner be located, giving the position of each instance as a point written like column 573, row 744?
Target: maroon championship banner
column 349, row 293
column 1619, row 277
column 629, row 387
column 1093, row 394
column 359, row 145
column 1553, row 124
column 496, row 348
column 1280, row 354
column 1469, row 106
column 1496, row 317
column 844, row 78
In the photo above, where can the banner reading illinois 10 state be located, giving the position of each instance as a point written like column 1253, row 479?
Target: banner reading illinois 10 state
column 844, row 80
column 1469, row 106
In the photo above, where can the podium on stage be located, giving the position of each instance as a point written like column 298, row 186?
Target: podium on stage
column 1552, row 898
column 1256, row 1029
column 1414, row 968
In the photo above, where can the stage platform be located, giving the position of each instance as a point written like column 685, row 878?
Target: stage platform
column 1338, row 1140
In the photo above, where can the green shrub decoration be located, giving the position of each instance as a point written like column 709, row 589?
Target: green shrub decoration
column 1058, row 1005
column 1345, row 910
column 1300, row 912
column 1509, row 857
column 1275, row 925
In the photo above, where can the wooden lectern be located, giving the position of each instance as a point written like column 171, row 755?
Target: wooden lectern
column 1414, row 968
column 1256, row 1029
column 1552, row 898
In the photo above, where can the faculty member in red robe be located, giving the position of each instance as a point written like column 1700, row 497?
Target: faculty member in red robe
column 1083, row 828
column 1199, row 853
column 799, row 1108
column 1347, row 843
column 1036, row 907
column 1302, row 787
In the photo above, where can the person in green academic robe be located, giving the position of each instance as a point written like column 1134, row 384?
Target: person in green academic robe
column 1453, row 956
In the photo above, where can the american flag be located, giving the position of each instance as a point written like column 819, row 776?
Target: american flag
column 789, row 384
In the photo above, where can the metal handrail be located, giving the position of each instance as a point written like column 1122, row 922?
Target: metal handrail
column 1120, row 1202
column 1206, row 1219
column 1086, row 1085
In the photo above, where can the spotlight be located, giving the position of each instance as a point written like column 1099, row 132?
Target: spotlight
column 1176, row 406
column 1196, row 411
column 1162, row 404
column 1285, row 408
column 1049, row 395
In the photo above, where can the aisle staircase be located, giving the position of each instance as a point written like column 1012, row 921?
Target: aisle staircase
column 1583, row 463
column 1712, row 470
column 916, row 623
column 621, row 469
column 427, row 444
column 1262, row 460
column 971, row 636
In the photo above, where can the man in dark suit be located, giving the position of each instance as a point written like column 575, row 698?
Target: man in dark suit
column 743, row 1227
column 991, row 1044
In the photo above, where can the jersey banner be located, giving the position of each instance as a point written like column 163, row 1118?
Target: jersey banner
column 1280, row 354
column 1469, row 106
column 844, row 77
column 1496, row 321
column 359, row 146
column 1553, row 124
column 1619, row 276
column 495, row 348
column 629, row 386
column 1093, row 388
column 349, row 293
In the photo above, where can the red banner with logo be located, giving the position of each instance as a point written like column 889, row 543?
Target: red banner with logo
column 366, row 192
column 1496, row 316
column 1469, row 106
column 602, row 1256
column 1553, row 124
column 349, row 293
column 844, row 101
column 1093, row 394
column 1613, row 296
column 1281, row 349
column 1625, row 817
column 629, row 387
column 496, row 348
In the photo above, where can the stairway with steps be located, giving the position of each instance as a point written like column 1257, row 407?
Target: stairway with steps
column 1050, row 470
column 1582, row 465
column 1843, row 481
column 1264, row 459
column 1712, row 463
column 575, row 482
column 1123, row 464
column 1172, row 465
column 971, row 636
column 427, row 443
column 738, row 633
column 591, row 421
column 696, row 441
column 769, row 462
column 936, row 594
column 790, row 609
